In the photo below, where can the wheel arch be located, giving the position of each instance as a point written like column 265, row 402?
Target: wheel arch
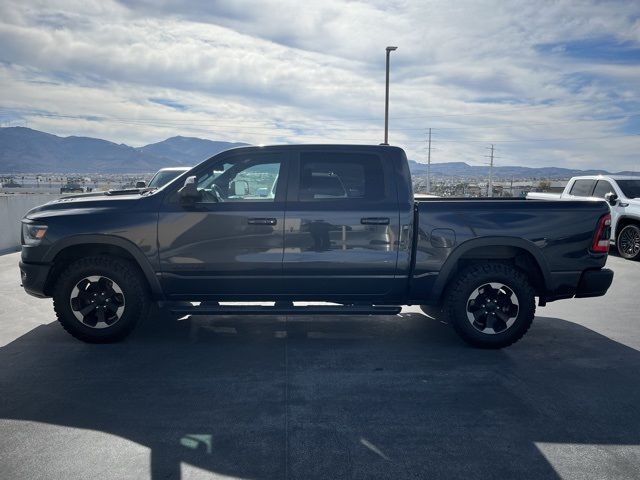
column 80, row 246
column 624, row 221
column 521, row 253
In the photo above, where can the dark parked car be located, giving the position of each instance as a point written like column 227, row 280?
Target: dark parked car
column 73, row 185
column 329, row 223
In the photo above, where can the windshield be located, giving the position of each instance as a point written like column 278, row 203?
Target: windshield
column 630, row 188
column 163, row 177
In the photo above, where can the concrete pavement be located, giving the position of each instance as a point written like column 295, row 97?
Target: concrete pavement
column 326, row 397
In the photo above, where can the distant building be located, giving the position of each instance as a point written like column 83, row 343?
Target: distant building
column 474, row 190
column 516, row 189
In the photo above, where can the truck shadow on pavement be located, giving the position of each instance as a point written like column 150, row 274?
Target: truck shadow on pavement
column 365, row 397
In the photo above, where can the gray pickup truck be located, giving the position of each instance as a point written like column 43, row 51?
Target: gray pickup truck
column 313, row 223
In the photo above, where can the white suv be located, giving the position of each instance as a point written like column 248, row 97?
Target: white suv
column 623, row 195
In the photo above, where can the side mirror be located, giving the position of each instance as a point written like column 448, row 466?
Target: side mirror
column 240, row 188
column 141, row 184
column 189, row 191
column 611, row 198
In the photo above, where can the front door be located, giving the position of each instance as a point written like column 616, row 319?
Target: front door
column 341, row 227
column 229, row 243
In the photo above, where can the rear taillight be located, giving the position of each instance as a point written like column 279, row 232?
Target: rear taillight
column 601, row 238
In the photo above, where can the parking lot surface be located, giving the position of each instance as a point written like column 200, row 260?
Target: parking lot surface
column 322, row 397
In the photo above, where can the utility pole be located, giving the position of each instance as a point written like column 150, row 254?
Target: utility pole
column 429, row 164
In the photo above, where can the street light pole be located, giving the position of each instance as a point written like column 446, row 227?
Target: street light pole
column 386, row 100
column 429, row 165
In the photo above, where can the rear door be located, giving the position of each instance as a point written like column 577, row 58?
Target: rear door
column 341, row 225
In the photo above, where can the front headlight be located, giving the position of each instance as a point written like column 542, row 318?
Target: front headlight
column 33, row 234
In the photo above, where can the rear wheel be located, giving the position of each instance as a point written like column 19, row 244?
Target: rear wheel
column 490, row 305
column 100, row 299
column 628, row 242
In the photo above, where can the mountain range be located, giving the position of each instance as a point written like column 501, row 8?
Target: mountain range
column 24, row 150
column 464, row 170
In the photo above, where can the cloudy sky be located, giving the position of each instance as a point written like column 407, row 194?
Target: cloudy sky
column 548, row 83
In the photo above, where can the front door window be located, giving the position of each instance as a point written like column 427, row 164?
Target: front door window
column 242, row 179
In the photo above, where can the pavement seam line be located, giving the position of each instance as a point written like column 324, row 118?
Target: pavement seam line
column 286, row 400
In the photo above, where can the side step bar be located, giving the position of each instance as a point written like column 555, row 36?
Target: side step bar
column 301, row 310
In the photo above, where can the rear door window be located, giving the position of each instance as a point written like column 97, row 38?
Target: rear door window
column 582, row 188
column 336, row 176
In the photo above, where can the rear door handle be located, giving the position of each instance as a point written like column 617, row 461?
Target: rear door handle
column 262, row 221
column 375, row 221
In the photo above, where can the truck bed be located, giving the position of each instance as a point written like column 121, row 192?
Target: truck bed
column 558, row 234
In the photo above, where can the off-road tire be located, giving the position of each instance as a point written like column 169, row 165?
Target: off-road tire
column 473, row 277
column 128, row 278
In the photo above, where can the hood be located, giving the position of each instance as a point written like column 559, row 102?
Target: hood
column 86, row 203
column 109, row 193
column 84, row 195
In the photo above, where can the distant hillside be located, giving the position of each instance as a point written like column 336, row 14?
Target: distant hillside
column 23, row 150
column 462, row 169
column 188, row 150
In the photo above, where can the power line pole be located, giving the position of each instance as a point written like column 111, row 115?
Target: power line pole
column 490, row 192
column 429, row 164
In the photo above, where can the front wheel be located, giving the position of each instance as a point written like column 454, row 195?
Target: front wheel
column 100, row 299
column 628, row 242
column 490, row 305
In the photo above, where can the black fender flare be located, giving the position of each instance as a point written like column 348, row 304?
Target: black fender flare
column 449, row 265
column 140, row 258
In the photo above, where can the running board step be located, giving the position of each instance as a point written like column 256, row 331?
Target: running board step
column 302, row 310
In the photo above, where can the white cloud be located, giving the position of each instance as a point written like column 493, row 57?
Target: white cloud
column 288, row 71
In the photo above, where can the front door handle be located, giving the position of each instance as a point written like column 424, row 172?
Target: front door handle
column 262, row 221
column 375, row 221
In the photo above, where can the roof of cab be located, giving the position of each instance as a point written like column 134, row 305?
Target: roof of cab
column 319, row 146
column 605, row 177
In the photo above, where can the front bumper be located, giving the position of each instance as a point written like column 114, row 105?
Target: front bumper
column 594, row 283
column 34, row 278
